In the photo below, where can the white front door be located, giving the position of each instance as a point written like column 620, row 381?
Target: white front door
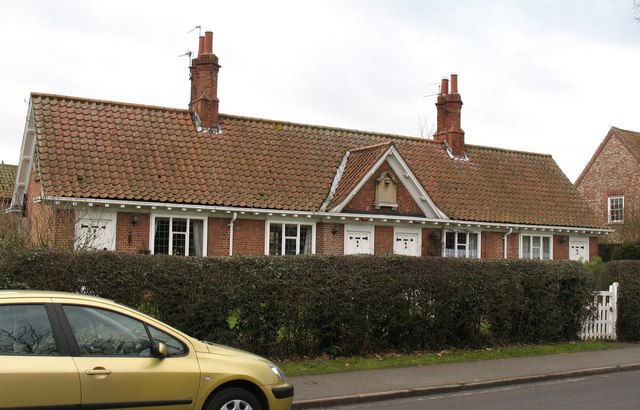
column 96, row 230
column 578, row 248
column 358, row 240
column 406, row 242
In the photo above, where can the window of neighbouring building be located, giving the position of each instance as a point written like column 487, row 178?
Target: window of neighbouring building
column 536, row 247
column 461, row 244
column 290, row 239
column 616, row 209
column 178, row 236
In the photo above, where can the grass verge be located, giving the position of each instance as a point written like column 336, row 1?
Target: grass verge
column 327, row 364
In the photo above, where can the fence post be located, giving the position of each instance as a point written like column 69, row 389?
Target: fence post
column 614, row 309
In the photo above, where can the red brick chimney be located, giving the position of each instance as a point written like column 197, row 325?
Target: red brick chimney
column 449, row 106
column 204, row 85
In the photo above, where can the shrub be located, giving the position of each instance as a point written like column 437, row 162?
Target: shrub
column 627, row 251
column 306, row 305
column 627, row 274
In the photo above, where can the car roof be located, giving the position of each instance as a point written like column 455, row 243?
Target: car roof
column 19, row 294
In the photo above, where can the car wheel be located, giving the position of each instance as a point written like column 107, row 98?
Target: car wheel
column 234, row 399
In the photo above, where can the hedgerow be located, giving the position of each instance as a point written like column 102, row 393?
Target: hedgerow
column 306, row 305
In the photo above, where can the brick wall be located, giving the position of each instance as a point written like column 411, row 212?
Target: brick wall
column 248, row 237
column 329, row 239
column 614, row 171
column 218, row 236
column 431, row 242
column 129, row 237
column 383, row 240
column 560, row 247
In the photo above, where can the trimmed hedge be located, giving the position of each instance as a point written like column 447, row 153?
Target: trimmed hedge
column 306, row 305
column 627, row 274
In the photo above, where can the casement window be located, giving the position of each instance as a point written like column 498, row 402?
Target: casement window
column 616, row 209
column 536, row 247
column 179, row 236
column 461, row 244
column 290, row 239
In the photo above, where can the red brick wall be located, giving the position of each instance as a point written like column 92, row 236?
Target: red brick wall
column 492, row 245
column 615, row 170
column 383, row 240
column 248, row 237
column 431, row 242
column 365, row 198
column 560, row 247
column 328, row 242
column 132, row 238
column 218, row 236
column 593, row 247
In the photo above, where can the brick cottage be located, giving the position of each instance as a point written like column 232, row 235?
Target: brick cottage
column 134, row 178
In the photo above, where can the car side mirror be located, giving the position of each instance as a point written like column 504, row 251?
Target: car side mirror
column 160, row 350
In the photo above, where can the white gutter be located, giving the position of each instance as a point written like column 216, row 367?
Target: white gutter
column 504, row 239
column 235, row 216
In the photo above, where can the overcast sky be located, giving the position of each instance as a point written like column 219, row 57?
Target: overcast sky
column 544, row 76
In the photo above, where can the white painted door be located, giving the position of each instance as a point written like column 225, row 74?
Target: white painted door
column 578, row 248
column 358, row 242
column 406, row 244
column 96, row 230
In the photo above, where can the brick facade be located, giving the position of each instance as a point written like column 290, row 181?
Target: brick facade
column 613, row 171
column 132, row 237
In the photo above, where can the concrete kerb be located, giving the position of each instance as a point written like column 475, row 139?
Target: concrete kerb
column 457, row 387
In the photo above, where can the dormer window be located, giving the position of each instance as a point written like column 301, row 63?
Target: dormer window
column 386, row 186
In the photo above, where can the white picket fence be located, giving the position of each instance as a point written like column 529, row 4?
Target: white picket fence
column 602, row 325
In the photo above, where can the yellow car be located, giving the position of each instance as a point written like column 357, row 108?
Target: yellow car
column 63, row 350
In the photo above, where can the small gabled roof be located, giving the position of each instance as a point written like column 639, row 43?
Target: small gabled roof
column 7, row 180
column 91, row 149
column 629, row 139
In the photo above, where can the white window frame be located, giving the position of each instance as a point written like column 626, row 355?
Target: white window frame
column 188, row 217
column 370, row 229
column 455, row 255
column 284, row 222
column 412, row 231
column 610, row 199
column 531, row 246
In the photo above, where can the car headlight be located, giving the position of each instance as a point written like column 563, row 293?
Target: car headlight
column 276, row 370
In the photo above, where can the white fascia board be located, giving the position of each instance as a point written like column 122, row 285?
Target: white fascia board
column 25, row 165
column 448, row 224
column 408, row 180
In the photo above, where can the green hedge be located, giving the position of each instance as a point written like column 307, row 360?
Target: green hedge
column 627, row 274
column 305, row 305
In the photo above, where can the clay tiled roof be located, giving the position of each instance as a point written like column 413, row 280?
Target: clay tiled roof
column 108, row 150
column 631, row 139
column 7, row 180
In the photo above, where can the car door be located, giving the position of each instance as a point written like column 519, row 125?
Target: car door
column 117, row 365
column 35, row 370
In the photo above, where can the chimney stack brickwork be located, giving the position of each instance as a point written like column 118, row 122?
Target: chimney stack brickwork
column 204, row 84
column 449, row 107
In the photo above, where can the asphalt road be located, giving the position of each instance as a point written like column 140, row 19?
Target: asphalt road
column 609, row 391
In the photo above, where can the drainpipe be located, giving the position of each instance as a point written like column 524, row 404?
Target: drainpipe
column 504, row 239
column 235, row 216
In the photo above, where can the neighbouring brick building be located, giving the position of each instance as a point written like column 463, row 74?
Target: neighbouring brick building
column 611, row 184
column 128, row 177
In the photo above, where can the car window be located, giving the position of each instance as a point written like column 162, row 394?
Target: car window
column 26, row 330
column 101, row 332
column 175, row 347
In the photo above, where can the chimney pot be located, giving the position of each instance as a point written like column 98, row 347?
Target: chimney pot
column 200, row 46
column 454, row 83
column 444, row 87
column 208, row 42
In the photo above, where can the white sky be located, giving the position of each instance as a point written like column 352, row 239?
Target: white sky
column 543, row 76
